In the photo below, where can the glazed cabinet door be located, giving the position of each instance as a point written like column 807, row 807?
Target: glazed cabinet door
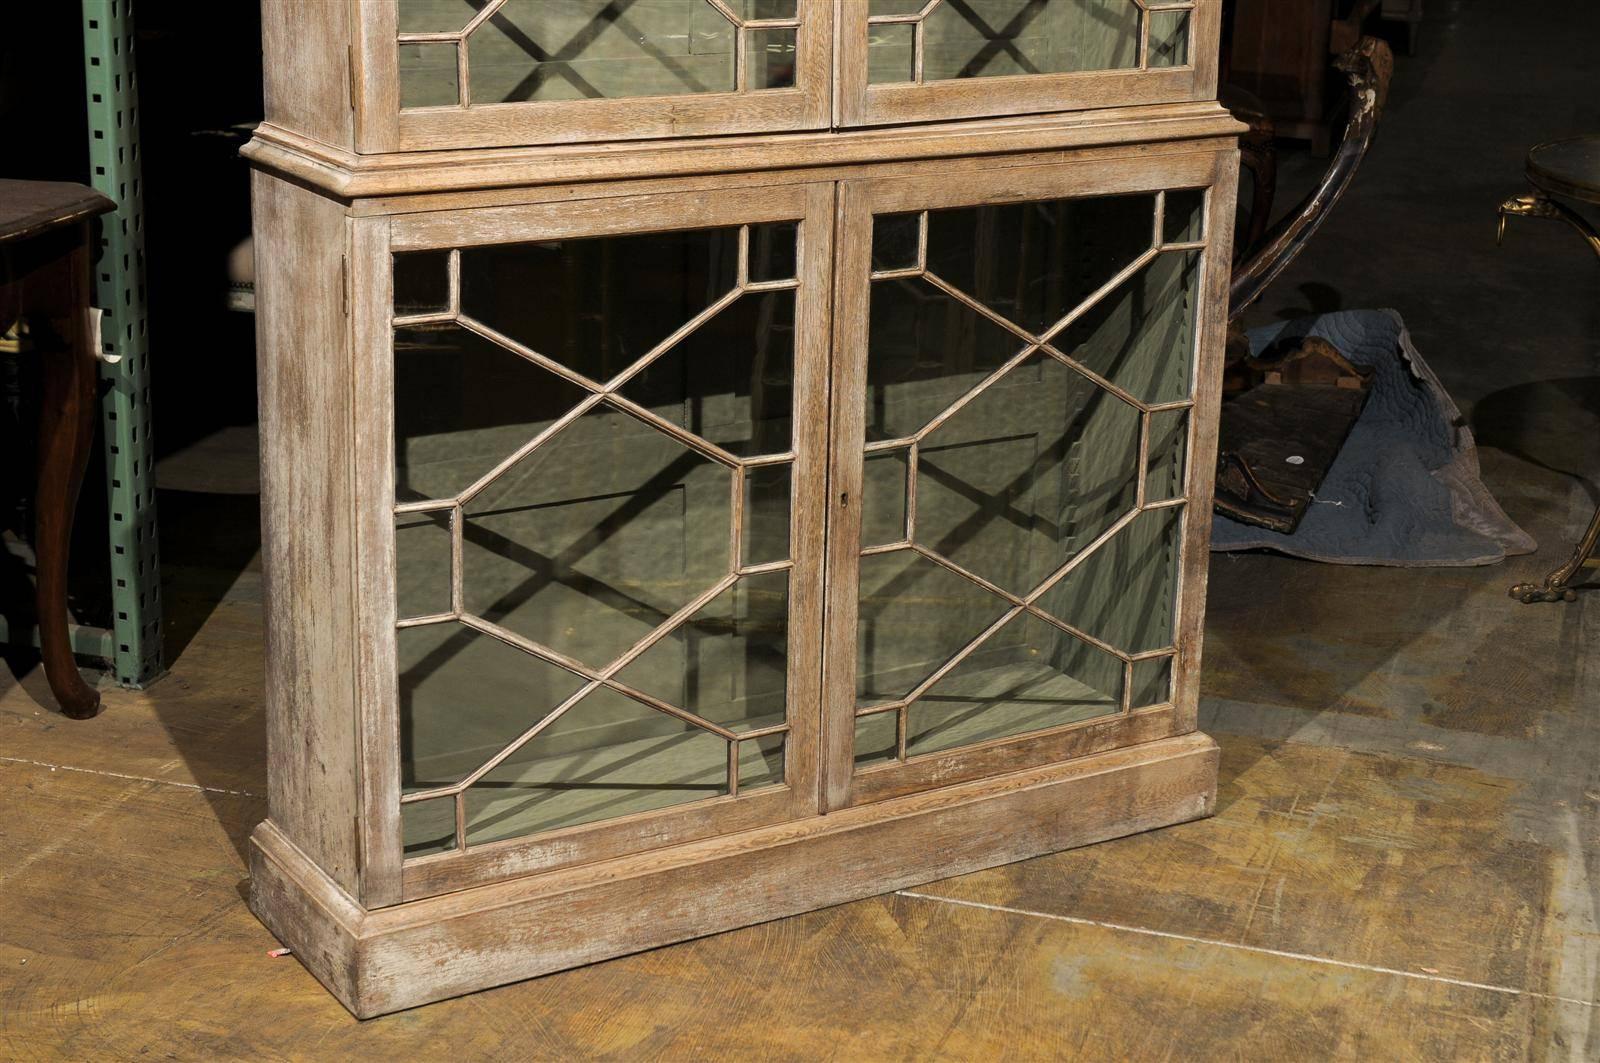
column 447, row 74
column 1024, row 397
column 929, row 60
column 592, row 449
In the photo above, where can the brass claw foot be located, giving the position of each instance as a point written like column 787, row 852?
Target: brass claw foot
column 1528, row 593
column 1556, row 586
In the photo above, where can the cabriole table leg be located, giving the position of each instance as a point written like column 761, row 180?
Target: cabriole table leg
column 66, row 431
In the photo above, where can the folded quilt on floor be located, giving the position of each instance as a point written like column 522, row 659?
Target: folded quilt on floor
column 1405, row 489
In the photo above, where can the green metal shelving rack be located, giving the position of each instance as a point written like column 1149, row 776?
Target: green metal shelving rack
column 116, row 170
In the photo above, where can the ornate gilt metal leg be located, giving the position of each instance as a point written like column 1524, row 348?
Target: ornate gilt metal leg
column 1556, row 586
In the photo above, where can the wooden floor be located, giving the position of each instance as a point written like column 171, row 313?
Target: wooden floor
column 1405, row 861
column 1402, row 865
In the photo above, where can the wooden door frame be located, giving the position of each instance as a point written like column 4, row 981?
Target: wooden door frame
column 858, row 103
column 386, row 878
column 382, row 126
column 859, row 199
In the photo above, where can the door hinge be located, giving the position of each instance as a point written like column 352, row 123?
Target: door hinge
column 350, row 70
column 344, row 285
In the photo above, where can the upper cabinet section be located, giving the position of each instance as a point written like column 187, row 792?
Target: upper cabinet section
column 933, row 60
column 484, row 73
column 378, row 76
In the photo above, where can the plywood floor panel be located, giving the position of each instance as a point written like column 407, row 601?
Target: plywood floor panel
column 163, row 959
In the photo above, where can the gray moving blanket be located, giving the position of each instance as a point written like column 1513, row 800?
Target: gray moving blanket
column 1405, row 489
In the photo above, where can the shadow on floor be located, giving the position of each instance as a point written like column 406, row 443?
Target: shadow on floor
column 16, row 606
column 1551, row 424
column 1318, row 299
column 208, row 543
column 210, row 703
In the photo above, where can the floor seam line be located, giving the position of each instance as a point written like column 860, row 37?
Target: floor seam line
column 1259, row 949
column 131, row 778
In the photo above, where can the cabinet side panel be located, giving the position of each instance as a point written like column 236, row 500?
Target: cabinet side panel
column 1206, row 48
column 305, row 65
column 307, row 500
column 1202, row 465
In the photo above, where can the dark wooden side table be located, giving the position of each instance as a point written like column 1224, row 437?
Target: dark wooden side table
column 44, row 278
column 1567, row 169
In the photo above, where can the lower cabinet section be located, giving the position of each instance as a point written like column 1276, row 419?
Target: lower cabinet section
column 644, row 564
column 386, row 960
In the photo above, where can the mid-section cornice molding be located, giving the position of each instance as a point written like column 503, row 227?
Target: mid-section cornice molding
column 346, row 175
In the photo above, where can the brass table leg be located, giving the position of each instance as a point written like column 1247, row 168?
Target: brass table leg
column 1556, row 586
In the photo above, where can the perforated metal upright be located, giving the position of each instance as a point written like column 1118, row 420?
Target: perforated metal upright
column 115, row 170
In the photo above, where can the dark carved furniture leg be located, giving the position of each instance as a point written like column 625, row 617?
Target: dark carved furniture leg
column 66, row 431
column 1368, row 67
column 44, row 280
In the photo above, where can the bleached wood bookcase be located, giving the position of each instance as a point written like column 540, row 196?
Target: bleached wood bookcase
column 722, row 458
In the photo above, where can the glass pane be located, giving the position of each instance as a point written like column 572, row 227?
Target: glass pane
column 463, row 696
column 774, row 250
column 1024, row 476
column 986, row 38
column 429, row 826
column 731, row 380
column 894, row 240
column 597, row 306
column 1169, row 38
column 1141, row 336
column 1125, row 593
column 875, row 739
column 587, row 543
column 883, row 496
column 591, row 541
column 600, row 49
column 421, row 282
column 1169, row 443
column 435, row 16
column 913, row 616
column 764, row 9
column 608, row 756
column 876, row 8
column 1032, row 263
column 760, row 763
column 462, row 404
column 769, row 58
column 925, row 350
column 729, row 662
column 428, row 76
column 1183, row 218
column 1027, row 676
column 766, row 514
column 1017, row 479
column 422, row 564
column 891, row 53
column 1152, row 682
